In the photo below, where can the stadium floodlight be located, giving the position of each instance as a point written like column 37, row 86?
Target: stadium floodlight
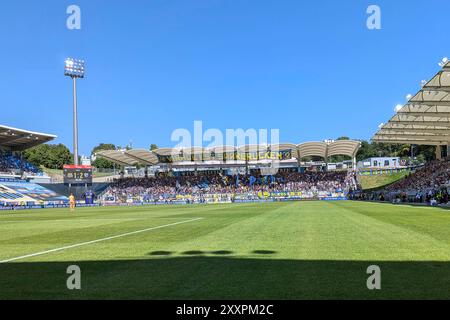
column 443, row 62
column 74, row 68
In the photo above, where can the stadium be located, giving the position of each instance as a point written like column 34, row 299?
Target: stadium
column 339, row 218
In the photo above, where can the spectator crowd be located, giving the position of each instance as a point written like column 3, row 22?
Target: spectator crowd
column 433, row 175
column 12, row 164
column 198, row 184
column 427, row 184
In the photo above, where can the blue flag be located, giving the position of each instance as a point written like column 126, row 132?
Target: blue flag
column 252, row 180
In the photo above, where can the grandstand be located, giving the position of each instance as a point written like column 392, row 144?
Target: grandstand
column 233, row 174
column 210, row 187
column 423, row 120
column 12, row 142
column 19, row 179
column 427, row 184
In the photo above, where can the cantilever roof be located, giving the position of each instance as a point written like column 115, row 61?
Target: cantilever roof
column 147, row 157
column 425, row 118
column 142, row 156
column 309, row 149
column 19, row 139
column 119, row 156
column 343, row 147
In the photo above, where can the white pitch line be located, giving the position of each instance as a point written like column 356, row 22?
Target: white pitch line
column 95, row 241
column 86, row 220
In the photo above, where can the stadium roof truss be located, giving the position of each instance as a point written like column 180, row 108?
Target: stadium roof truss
column 19, row 140
column 425, row 118
column 147, row 157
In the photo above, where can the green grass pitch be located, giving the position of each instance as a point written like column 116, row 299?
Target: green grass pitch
column 295, row 250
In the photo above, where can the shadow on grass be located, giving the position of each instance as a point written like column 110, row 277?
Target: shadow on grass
column 193, row 253
column 202, row 277
column 264, row 252
column 222, row 252
column 160, row 253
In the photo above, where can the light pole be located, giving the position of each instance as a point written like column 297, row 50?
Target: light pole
column 74, row 68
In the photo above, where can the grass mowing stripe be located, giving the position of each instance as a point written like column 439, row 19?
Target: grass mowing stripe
column 95, row 241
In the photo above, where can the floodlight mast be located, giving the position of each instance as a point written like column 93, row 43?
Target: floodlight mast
column 74, row 68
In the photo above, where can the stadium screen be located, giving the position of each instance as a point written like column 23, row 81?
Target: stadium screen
column 77, row 174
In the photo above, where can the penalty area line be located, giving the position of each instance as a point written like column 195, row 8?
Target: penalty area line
column 97, row 240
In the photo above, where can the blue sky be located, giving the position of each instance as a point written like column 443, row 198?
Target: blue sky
column 309, row 68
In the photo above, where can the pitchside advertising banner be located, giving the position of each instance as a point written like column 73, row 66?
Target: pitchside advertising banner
column 265, row 195
column 299, row 195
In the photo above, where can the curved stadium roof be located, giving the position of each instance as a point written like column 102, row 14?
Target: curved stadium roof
column 19, row 139
column 310, row 149
column 198, row 154
column 425, row 118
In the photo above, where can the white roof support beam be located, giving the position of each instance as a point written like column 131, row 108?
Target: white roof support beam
column 443, row 140
column 399, row 141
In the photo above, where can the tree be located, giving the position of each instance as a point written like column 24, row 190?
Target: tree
column 104, row 146
column 52, row 156
column 374, row 149
column 102, row 162
column 428, row 152
column 153, row 147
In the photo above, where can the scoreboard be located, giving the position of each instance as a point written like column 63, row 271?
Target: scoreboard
column 77, row 174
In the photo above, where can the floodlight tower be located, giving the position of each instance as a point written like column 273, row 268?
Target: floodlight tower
column 74, row 68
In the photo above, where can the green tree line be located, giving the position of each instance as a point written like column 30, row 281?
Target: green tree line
column 52, row 156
